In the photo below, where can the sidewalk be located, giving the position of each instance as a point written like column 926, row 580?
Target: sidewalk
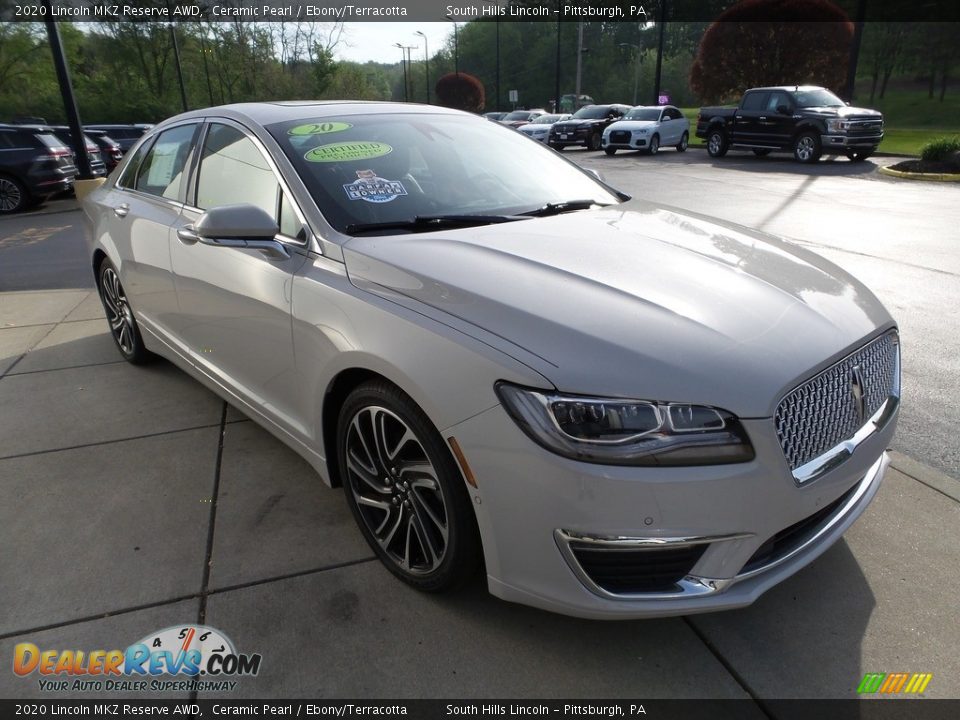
column 116, row 496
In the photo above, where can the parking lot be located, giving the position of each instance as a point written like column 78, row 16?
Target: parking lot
column 133, row 499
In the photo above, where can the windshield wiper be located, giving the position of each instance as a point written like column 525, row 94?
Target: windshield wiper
column 562, row 207
column 426, row 223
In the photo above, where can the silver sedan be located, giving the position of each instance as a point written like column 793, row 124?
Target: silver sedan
column 615, row 409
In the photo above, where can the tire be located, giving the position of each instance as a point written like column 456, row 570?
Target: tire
column 610, row 151
column 762, row 152
column 859, row 155
column 654, row 145
column 120, row 318
column 411, row 504
column 593, row 142
column 806, row 148
column 684, row 142
column 717, row 143
column 13, row 195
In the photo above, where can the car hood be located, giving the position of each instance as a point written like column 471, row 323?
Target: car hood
column 632, row 125
column 844, row 112
column 531, row 127
column 569, row 124
column 636, row 300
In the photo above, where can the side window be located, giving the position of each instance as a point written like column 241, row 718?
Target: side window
column 161, row 171
column 754, row 101
column 128, row 178
column 233, row 170
column 777, row 99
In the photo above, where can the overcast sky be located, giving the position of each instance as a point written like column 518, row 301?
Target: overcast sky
column 375, row 40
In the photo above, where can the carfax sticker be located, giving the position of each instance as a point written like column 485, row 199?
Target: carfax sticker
column 319, row 128
column 347, row 151
column 370, row 188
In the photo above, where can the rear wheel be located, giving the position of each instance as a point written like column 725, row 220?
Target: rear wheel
column 654, row 145
column 610, row 151
column 405, row 490
column 717, row 143
column 123, row 325
column 13, row 195
column 593, row 143
column 806, row 148
column 859, row 155
column 684, row 142
column 761, row 152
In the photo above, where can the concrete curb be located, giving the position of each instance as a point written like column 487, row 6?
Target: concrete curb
column 926, row 475
column 931, row 177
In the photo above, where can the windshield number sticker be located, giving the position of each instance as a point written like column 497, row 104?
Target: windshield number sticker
column 370, row 188
column 319, row 128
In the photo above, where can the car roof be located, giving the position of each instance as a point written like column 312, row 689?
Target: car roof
column 120, row 126
column 267, row 113
column 788, row 88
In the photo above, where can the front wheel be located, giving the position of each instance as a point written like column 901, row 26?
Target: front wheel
column 594, row 142
column 13, row 195
column 123, row 325
column 684, row 142
column 717, row 144
column 806, row 148
column 405, row 490
column 654, row 145
column 859, row 155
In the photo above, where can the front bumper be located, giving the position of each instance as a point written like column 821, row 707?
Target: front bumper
column 850, row 142
column 636, row 142
column 531, row 505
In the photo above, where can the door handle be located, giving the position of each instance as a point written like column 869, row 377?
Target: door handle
column 121, row 210
column 187, row 235
column 763, row 117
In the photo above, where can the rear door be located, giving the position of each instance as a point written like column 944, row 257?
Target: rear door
column 234, row 316
column 136, row 217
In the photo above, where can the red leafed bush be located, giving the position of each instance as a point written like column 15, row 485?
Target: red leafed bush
column 460, row 91
column 756, row 43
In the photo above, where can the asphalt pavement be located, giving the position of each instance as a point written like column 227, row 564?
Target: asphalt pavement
column 132, row 499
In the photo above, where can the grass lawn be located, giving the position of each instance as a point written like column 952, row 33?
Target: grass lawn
column 911, row 119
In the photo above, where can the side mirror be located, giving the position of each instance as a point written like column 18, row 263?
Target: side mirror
column 236, row 226
column 783, row 109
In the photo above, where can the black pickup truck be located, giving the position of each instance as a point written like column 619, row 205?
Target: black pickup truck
column 807, row 121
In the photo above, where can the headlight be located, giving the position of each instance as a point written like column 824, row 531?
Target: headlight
column 642, row 131
column 616, row 431
column 836, row 126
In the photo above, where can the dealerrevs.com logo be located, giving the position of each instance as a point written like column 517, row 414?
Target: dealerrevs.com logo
column 175, row 659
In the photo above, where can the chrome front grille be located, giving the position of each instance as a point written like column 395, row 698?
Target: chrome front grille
column 831, row 407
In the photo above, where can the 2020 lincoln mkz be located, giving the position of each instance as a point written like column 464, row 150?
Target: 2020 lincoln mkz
column 616, row 409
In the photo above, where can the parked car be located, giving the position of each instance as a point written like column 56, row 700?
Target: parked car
column 648, row 129
column 628, row 410
column 521, row 117
column 33, row 166
column 494, row 115
column 540, row 128
column 98, row 168
column 125, row 135
column 585, row 127
column 805, row 120
column 110, row 149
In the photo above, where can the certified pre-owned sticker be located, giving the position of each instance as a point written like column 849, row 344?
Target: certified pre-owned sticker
column 370, row 188
column 347, row 151
column 319, row 128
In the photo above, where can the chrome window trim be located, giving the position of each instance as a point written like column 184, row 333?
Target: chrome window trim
column 695, row 585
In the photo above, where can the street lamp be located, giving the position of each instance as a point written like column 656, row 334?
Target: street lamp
column 403, row 61
column 456, row 45
column 636, row 68
column 426, row 62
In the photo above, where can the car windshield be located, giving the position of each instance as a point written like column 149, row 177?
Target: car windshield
column 817, row 98
column 388, row 168
column 591, row 112
column 518, row 115
column 643, row 113
column 547, row 119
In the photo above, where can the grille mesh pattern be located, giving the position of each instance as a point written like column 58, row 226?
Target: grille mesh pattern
column 822, row 412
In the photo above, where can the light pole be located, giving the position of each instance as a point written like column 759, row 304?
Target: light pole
column 456, row 46
column 176, row 57
column 403, row 61
column 636, row 68
column 576, row 96
column 426, row 62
